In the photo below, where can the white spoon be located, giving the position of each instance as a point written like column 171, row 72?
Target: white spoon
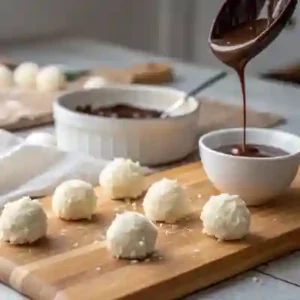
column 192, row 93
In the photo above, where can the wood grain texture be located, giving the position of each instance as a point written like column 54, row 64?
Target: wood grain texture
column 73, row 263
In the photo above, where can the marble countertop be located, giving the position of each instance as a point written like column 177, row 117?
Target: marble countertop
column 277, row 280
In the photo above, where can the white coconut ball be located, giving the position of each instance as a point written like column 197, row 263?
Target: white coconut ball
column 122, row 178
column 22, row 221
column 166, row 201
column 74, row 200
column 94, row 82
column 25, row 75
column 44, row 139
column 226, row 217
column 131, row 235
column 6, row 77
column 50, row 79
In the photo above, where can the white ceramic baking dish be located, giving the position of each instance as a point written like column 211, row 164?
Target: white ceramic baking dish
column 149, row 141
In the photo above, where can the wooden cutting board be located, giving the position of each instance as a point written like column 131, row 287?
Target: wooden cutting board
column 73, row 263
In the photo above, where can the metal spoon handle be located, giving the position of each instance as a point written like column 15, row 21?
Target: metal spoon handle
column 193, row 92
column 206, row 84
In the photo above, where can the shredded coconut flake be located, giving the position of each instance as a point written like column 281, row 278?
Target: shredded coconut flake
column 134, row 261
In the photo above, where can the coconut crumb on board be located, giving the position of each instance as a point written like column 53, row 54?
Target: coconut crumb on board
column 117, row 209
column 134, row 261
column 63, row 231
column 188, row 229
column 255, row 279
column 156, row 256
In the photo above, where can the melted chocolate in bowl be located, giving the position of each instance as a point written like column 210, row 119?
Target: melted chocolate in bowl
column 123, row 111
column 252, row 151
column 239, row 35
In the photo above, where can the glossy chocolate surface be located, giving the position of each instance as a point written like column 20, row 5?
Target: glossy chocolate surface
column 124, row 111
column 239, row 33
column 252, row 150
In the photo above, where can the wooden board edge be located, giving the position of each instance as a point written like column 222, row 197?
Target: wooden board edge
column 190, row 282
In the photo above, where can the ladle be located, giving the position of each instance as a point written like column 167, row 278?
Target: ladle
column 234, row 13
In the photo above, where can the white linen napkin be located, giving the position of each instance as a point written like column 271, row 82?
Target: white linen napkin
column 36, row 171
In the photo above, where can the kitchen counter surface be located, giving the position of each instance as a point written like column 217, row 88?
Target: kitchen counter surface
column 278, row 280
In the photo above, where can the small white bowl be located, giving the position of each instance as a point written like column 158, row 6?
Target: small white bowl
column 149, row 141
column 255, row 180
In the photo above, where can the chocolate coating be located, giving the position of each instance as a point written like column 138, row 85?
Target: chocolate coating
column 124, row 111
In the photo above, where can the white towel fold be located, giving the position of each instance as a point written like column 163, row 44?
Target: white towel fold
column 36, row 171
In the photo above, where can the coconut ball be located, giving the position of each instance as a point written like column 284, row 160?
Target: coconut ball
column 94, row 82
column 22, row 221
column 166, row 201
column 74, row 200
column 44, row 139
column 122, row 178
column 226, row 217
column 131, row 235
column 25, row 75
column 50, row 79
column 6, row 77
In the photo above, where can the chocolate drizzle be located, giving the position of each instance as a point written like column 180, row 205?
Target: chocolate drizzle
column 239, row 34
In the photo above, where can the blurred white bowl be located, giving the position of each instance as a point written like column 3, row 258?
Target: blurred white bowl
column 149, row 141
column 255, row 180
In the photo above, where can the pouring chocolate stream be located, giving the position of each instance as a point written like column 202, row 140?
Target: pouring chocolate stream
column 239, row 33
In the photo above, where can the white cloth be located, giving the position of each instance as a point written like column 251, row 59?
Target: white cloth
column 36, row 171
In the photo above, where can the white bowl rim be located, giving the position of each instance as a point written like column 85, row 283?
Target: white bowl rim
column 127, row 87
column 253, row 129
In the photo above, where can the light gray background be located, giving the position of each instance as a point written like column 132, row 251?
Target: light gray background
column 171, row 27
